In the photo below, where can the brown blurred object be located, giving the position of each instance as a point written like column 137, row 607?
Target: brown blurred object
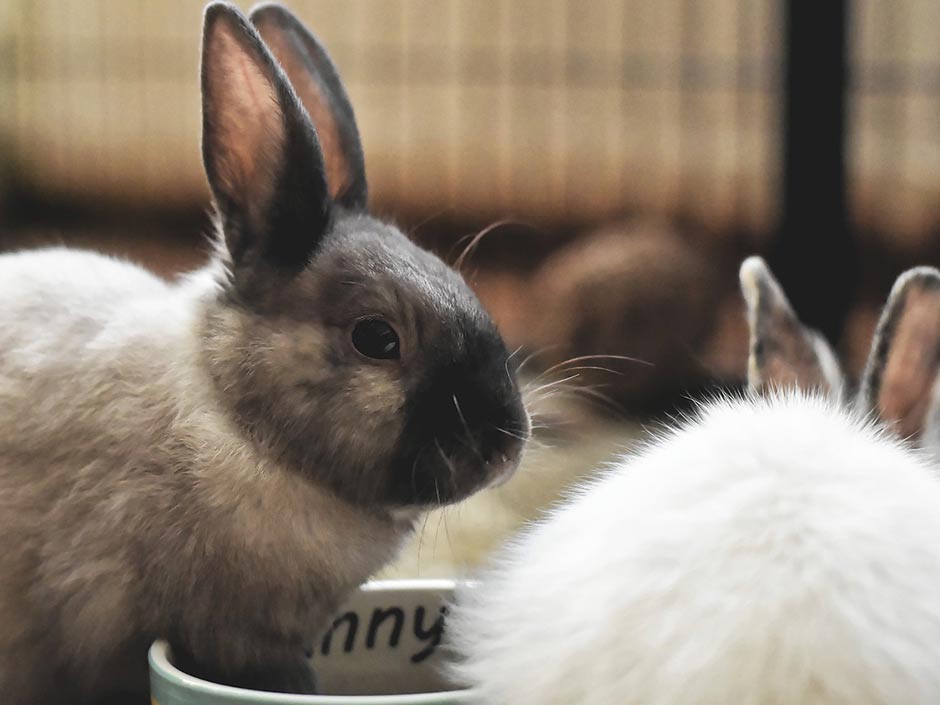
column 857, row 339
column 636, row 289
column 724, row 353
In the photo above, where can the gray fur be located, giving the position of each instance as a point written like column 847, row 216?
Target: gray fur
column 132, row 505
column 215, row 463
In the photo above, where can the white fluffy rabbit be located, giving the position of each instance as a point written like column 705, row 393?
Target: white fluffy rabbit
column 778, row 549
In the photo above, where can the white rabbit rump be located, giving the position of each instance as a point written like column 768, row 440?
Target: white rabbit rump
column 778, row 549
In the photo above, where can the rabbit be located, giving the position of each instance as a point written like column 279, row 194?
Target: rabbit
column 636, row 288
column 779, row 548
column 220, row 460
column 901, row 381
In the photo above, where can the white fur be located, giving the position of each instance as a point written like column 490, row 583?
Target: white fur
column 102, row 374
column 772, row 552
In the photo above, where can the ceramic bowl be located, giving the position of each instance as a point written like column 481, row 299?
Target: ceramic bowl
column 384, row 648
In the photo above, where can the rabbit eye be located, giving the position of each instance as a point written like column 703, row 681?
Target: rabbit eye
column 376, row 339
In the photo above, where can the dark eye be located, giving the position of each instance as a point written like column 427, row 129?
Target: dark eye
column 376, row 339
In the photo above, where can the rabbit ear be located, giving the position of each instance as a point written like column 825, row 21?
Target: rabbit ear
column 314, row 78
column 783, row 352
column 901, row 376
column 261, row 153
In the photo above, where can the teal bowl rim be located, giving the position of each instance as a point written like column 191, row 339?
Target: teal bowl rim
column 160, row 664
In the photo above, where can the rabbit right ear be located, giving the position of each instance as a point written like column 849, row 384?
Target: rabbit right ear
column 318, row 85
column 783, row 352
column 901, row 377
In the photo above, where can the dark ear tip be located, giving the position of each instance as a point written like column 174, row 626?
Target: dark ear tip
column 265, row 11
column 230, row 20
column 217, row 10
column 276, row 15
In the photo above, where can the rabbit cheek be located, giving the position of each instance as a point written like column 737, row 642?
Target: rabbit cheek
column 294, row 358
column 367, row 414
column 376, row 398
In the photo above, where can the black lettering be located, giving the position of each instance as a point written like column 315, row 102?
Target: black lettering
column 432, row 635
column 378, row 617
column 353, row 626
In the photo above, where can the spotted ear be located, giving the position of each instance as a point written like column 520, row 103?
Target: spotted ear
column 783, row 352
column 318, row 85
column 261, row 153
column 900, row 383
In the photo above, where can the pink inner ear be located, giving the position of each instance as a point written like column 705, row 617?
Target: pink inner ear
column 247, row 119
column 317, row 104
column 789, row 359
column 912, row 365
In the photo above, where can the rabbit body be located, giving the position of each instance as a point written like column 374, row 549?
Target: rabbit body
column 220, row 461
column 771, row 551
column 131, row 506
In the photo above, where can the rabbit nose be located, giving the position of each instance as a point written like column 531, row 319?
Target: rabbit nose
column 502, row 462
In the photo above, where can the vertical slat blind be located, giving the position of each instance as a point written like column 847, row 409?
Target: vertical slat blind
column 541, row 109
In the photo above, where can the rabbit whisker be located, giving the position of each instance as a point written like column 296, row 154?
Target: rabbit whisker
column 509, row 359
column 550, row 385
column 473, row 445
column 450, row 468
column 534, row 354
column 458, row 264
column 598, row 368
column 587, row 358
column 414, row 468
column 413, row 231
column 424, row 526
column 510, row 433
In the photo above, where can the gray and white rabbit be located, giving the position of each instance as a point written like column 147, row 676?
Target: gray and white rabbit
column 776, row 549
column 219, row 461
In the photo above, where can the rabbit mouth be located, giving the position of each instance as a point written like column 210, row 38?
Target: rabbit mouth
column 442, row 473
column 505, row 459
column 502, row 470
column 485, row 469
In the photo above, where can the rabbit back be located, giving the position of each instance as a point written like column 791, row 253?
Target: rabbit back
column 771, row 551
column 52, row 300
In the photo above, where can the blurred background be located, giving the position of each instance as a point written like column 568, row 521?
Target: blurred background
column 620, row 157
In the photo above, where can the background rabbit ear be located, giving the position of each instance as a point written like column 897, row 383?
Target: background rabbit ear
column 901, row 376
column 783, row 352
column 317, row 84
column 261, row 153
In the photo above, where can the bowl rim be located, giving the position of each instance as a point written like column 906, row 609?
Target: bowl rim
column 159, row 659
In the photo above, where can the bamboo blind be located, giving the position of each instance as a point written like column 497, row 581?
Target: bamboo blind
column 894, row 140
column 543, row 109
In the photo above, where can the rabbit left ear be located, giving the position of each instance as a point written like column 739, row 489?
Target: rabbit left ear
column 900, row 382
column 783, row 352
column 317, row 84
column 260, row 151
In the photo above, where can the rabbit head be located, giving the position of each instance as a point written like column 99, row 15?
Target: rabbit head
column 342, row 348
column 901, row 378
